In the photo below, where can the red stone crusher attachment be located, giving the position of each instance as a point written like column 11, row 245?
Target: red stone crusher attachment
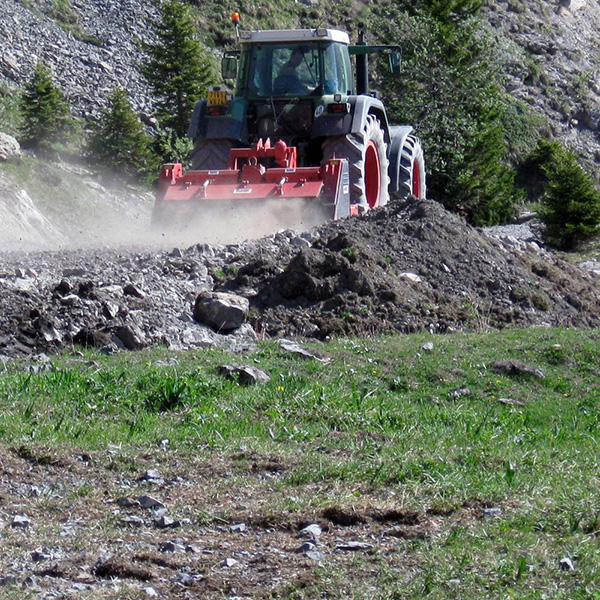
column 253, row 175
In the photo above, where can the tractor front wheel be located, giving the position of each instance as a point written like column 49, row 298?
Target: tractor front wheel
column 411, row 174
column 210, row 154
column 368, row 163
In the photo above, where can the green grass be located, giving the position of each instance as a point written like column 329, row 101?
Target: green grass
column 380, row 425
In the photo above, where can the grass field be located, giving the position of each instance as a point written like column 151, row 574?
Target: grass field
column 470, row 480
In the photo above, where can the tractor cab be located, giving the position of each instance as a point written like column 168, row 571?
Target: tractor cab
column 307, row 63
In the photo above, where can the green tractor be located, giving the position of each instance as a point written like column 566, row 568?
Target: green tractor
column 295, row 92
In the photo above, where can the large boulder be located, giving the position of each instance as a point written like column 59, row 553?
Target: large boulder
column 9, row 147
column 221, row 311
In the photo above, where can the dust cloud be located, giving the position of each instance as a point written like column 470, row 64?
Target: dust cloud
column 108, row 217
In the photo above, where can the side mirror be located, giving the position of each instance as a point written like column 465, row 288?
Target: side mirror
column 229, row 66
column 395, row 62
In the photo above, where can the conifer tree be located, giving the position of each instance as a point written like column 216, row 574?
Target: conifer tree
column 179, row 69
column 570, row 208
column 451, row 91
column 45, row 115
column 118, row 139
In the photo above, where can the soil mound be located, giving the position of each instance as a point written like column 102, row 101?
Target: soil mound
column 408, row 267
column 411, row 266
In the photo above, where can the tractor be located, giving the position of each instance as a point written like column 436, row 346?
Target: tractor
column 299, row 125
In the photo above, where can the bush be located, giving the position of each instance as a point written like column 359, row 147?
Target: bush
column 570, row 209
column 45, row 115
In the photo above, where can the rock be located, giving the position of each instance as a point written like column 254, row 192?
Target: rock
column 9, row 147
column 307, row 546
column 354, row 546
column 130, row 337
column 312, row 531
column 566, row 564
column 132, row 290
column 165, row 522
column 428, row 347
column 150, row 502
column 229, row 562
column 492, row 512
column 295, row 348
column 460, row 392
column 221, row 311
column 511, row 402
column 125, row 502
column 411, row 277
column 174, row 546
column 238, row 528
column 21, row 521
column 514, row 367
column 244, row 374
column 38, row 556
column 153, row 476
column 132, row 521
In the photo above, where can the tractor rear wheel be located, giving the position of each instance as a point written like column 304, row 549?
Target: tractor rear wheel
column 368, row 163
column 210, row 154
column 411, row 175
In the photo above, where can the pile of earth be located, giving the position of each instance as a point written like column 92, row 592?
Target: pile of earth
column 410, row 266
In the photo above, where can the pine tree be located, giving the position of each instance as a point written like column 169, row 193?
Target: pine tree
column 118, row 140
column 179, row 69
column 45, row 115
column 450, row 90
column 570, row 208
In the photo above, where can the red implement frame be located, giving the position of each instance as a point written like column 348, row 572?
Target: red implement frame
column 246, row 178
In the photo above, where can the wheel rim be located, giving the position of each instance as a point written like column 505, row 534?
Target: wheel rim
column 416, row 180
column 372, row 175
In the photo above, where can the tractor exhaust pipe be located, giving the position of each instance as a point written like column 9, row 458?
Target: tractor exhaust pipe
column 362, row 65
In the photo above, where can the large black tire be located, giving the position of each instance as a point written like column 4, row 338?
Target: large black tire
column 412, row 176
column 210, row 154
column 367, row 158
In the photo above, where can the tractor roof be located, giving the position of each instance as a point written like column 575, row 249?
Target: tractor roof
column 294, row 35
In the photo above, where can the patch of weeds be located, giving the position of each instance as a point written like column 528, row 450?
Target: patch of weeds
column 350, row 253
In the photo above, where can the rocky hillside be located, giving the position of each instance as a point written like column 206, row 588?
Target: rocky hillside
column 550, row 48
column 552, row 54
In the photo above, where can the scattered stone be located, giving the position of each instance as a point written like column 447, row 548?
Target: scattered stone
column 174, row 546
column 130, row 337
column 354, row 546
column 125, row 502
column 21, row 521
column 152, row 476
column 492, row 512
column 221, row 311
column 150, row 502
column 38, row 556
column 132, row 290
column 411, row 277
column 229, row 562
column 244, row 374
column 566, row 564
column 132, row 521
column 307, row 546
column 511, row 402
column 150, row 591
column 312, row 531
column 460, row 392
column 295, row 348
column 164, row 522
column 514, row 367
column 239, row 528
